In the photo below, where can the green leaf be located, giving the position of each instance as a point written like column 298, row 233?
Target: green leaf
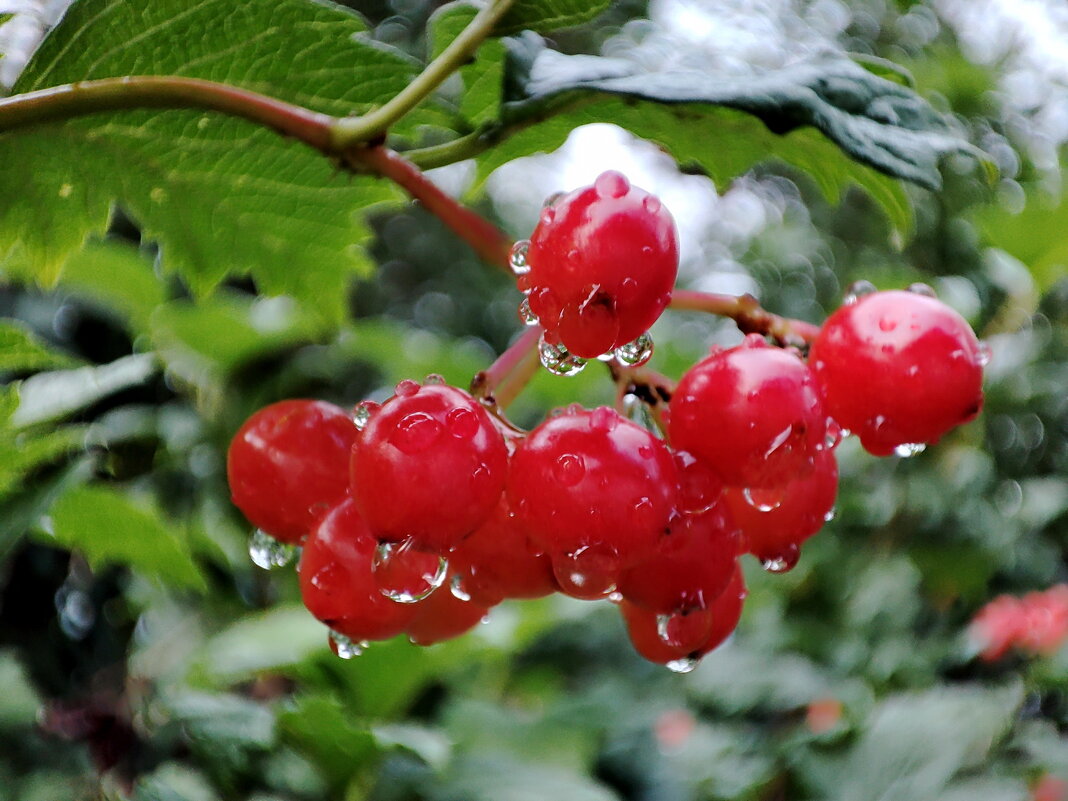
column 21, row 351
column 110, row 528
column 118, row 278
column 272, row 640
column 483, row 79
column 220, row 195
column 1034, row 235
column 549, row 15
column 322, row 728
column 502, row 778
column 224, row 721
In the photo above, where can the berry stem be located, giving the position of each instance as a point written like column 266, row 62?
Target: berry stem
column 746, row 311
column 501, row 382
column 486, row 239
column 650, row 387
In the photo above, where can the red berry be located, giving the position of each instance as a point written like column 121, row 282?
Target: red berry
column 898, row 368
column 593, row 481
column 497, row 562
column 691, row 565
column 443, row 616
column 773, row 532
column 752, row 413
column 338, row 584
column 429, row 466
column 288, row 464
column 602, row 264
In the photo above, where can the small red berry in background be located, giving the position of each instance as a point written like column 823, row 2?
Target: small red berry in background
column 1036, row 624
column 602, row 263
column 1050, row 788
column 823, row 714
column 898, row 369
column 288, row 464
column 752, row 413
column 428, row 467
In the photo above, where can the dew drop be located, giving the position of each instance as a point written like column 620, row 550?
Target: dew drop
column 346, row 647
column 921, row 288
column 780, row 440
column 985, row 354
column 461, row 423
column 782, row 562
column 547, row 216
column 406, row 388
column 887, row 324
column 651, row 204
column 628, row 290
column 611, row 184
column 603, row 419
column 856, row 291
column 558, row 360
column 764, row 500
column 834, row 435
column 830, row 515
column 526, row 314
column 552, row 200
column 434, row 380
column 684, row 665
column 416, row 432
column 361, row 415
column 587, row 574
column 405, row 574
column 569, row 469
column 615, row 597
column 456, row 587
column 907, row 449
column 267, row 552
column 517, row 257
column 636, row 353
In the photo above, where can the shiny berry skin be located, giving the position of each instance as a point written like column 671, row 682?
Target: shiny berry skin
column 591, row 480
column 691, row 565
column 288, row 464
column 752, row 413
column 774, row 523
column 695, row 634
column 497, row 562
column 898, row 368
column 429, row 465
column 603, row 261
column 337, row 581
column 443, row 616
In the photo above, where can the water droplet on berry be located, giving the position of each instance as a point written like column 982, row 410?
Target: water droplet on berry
column 462, row 423
column 907, row 449
column 636, row 353
column 603, row 419
column 887, row 324
column 782, row 562
column 830, row 515
column 764, row 500
column 361, row 415
column 517, row 257
column 406, row 388
column 345, row 647
column 856, row 291
column 615, row 597
column 686, row 631
column 547, row 216
column 684, row 665
column 558, row 360
column 588, row 573
column 553, row 199
column 779, row 441
column 405, row 574
column 628, row 290
column 569, row 469
column 651, row 204
column 267, row 552
column 526, row 314
column 416, row 432
column 456, row 587
column 921, row 288
column 985, row 354
column 434, row 380
column 611, row 184
column 834, row 435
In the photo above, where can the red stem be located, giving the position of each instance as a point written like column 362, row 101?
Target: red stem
column 501, row 382
column 486, row 239
column 745, row 310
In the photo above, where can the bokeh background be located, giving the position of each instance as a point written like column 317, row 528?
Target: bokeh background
column 193, row 675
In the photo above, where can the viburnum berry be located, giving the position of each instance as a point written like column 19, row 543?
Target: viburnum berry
column 338, row 583
column 600, row 266
column 288, row 464
column 898, row 369
column 774, row 523
column 752, row 413
column 428, row 467
column 443, row 616
column 592, row 483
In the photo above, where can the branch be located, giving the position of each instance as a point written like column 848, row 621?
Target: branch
column 745, row 310
column 502, row 381
column 460, row 51
column 154, row 91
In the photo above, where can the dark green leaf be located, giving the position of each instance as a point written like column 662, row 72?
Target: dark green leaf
column 322, row 728
column 549, row 15
column 224, row 721
column 110, row 528
column 21, row 351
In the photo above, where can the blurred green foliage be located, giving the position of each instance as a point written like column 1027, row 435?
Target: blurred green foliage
column 136, row 635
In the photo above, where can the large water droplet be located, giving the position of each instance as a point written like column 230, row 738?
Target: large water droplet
column 361, row 415
column 636, row 353
column 764, row 499
column 267, row 552
column 684, row 665
column 603, row 419
column 517, row 257
column 416, row 432
column 526, row 314
column 782, row 562
column 346, row 647
column 907, row 449
column 552, row 200
column 569, row 469
column 611, row 184
column 406, row 388
column 586, row 574
column 434, row 380
column 834, row 435
column 985, row 354
column 651, row 204
column 462, row 423
column 921, row 288
column 405, row 574
column 456, row 587
column 558, row 360
column 856, row 291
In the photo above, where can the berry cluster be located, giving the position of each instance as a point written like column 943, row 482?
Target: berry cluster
column 435, row 486
column 1035, row 624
